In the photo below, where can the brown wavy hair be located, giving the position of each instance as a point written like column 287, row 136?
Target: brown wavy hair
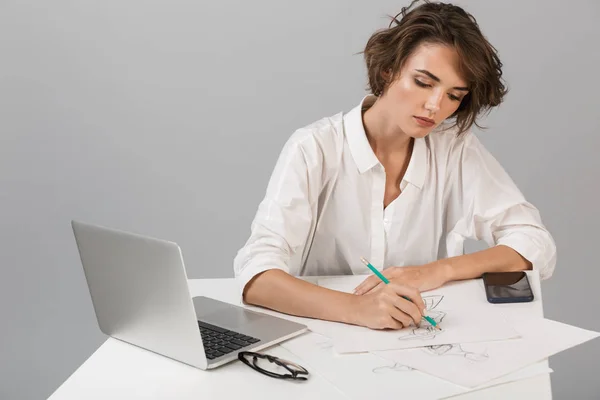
column 439, row 23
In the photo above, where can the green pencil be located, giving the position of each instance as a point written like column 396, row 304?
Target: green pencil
column 386, row 281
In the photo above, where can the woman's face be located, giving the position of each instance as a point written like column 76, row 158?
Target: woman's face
column 428, row 90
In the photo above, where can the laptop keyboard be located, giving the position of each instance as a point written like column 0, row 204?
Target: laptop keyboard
column 218, row 341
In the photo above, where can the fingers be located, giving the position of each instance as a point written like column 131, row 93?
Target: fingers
column 412, row 294
column 367, row 285
column 399, row 319
column 374, row 288
column 409, row 309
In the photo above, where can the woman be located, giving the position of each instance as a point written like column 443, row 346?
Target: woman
column 400, row 180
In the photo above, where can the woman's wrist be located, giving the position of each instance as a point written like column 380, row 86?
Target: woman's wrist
column 446, row 270
column 351, row 314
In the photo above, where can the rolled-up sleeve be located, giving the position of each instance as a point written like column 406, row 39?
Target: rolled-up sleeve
column 283, row 219
column 495, row 210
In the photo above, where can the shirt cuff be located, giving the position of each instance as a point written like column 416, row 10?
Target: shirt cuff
column 541, row 256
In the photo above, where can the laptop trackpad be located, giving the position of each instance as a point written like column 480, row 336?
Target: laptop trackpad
column 223, row 314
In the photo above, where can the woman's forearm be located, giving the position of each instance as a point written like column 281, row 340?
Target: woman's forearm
column 495, row 259
column 279, row 291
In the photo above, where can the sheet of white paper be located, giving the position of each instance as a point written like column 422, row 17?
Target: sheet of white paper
column 473, row 364
column 460, row 309
column 365, row 375
column 524, row 373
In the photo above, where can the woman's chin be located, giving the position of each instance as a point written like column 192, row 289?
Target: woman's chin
column 415, row 131
column 419, row 132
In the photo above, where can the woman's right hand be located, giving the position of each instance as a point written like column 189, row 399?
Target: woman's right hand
column 386, row 309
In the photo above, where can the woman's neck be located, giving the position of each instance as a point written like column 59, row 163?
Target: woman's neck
column 385, row 137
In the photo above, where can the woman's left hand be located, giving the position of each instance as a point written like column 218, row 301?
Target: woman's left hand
column 422, row 277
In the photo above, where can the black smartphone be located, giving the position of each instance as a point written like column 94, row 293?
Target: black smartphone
column 507, row 287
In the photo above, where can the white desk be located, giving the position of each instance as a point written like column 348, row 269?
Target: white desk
column 121, row 371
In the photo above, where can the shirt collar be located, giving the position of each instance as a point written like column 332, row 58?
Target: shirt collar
column 361, row 150
column 363, row 154
column 417, row 166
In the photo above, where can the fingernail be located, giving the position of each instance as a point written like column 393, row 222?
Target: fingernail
column 424, row 311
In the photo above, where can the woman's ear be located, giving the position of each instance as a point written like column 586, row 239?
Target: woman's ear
column 387, row 75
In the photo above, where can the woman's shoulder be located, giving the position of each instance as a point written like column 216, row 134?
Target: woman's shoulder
column 448, row 143
column 326, row 128
column 321, row 139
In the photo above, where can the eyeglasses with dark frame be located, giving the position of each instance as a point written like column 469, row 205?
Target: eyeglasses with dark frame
column 296, row 371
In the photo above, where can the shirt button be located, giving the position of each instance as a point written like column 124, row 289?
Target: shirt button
column 386, row 221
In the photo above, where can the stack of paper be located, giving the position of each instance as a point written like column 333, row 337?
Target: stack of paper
column 370, row 376
column 481, row 344
column 474, row 364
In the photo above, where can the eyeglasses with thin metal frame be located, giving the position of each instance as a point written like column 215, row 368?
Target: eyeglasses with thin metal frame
column 296, row 372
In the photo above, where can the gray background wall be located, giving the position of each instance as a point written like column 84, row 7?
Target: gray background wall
column 166, row 118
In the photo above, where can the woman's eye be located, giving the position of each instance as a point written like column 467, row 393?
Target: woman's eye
column 419, row 83
column 426, row 85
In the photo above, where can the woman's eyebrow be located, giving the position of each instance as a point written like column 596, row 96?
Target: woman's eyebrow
column 435, row 78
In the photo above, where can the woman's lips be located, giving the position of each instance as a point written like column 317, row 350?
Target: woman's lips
column 425, row 122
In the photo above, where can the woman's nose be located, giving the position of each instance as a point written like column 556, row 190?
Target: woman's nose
column 433, row 102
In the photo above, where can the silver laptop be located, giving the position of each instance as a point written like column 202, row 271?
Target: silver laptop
column 140, row 294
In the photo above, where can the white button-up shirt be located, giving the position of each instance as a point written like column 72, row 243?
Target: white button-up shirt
column 323, row 207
